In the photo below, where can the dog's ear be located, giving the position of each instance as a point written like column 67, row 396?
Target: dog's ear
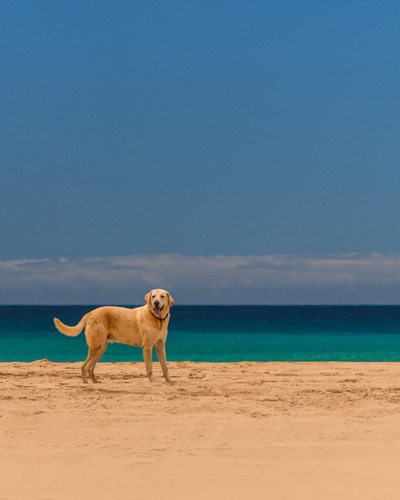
column 147, row 297
column 170, row 299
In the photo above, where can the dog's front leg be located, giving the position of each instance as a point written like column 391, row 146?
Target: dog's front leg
column 160, row 350
column 148, row 362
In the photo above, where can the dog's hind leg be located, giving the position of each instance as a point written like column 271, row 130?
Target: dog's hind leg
column 84, row 368
column 97, row 354
column 94, row 355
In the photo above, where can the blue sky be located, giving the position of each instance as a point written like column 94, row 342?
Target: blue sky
column 198, row 129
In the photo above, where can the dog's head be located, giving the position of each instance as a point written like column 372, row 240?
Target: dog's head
column 159, row 302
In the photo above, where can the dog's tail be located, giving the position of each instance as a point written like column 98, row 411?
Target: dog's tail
column 71, row 331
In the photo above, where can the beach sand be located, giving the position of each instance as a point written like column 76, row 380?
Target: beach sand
column 219, row 431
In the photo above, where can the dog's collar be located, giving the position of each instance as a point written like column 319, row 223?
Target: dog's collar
column 157, row 317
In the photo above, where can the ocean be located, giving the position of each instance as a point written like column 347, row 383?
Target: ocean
column 219, row 334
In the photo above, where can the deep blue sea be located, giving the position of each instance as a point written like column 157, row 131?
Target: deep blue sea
column 219, row 334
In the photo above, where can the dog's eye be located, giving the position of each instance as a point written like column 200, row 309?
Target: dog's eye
column 163, row 296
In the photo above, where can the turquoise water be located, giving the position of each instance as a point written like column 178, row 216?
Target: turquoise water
column 220, row 333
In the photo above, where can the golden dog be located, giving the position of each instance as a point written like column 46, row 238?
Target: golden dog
column 144, row 327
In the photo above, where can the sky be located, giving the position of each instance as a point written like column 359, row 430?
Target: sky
column 229, row 151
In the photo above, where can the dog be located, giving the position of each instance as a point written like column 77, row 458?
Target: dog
column 144, row 327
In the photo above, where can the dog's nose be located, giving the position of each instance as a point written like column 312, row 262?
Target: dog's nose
column 156, row 303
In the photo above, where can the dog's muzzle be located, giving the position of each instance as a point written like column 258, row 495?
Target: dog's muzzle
column 157, row 309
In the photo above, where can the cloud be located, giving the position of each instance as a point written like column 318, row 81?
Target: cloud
column 222, row 279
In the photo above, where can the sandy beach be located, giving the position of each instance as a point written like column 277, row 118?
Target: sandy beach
column 229, row 430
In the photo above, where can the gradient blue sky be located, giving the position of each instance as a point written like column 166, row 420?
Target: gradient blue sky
column 198, row 128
